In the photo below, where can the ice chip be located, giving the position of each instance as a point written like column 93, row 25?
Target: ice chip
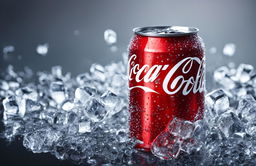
column 229, row 49
column 84, row 126
column 247, row 108
column 82, row 78
column 57, row 91
column 96, row 110
column 222, row 76
column 68, row 105
column 122, row 136
column 32, row 106
column 11, row 106
column 110, row 36
column 57, row 71
column 244, row 72
column 118, row 80
column 98, row 71
column 42, row 49
column 181, row 128
column 4, row 85
column 27, row 93
column 166, row 146
column 217, row 101
column 48, row 115
column 220, row 73
column 112, row 102
column 251, row 129
column 225, row 122
column 84, row 94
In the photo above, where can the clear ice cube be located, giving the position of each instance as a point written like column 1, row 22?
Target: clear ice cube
column 181, row 128
column 98, row 72
column 68, row 105
column 244, row 72
column 247, row 108
column 166, row 146
column 11, row 107
column 27, row 93
column 84, row 126
column 84, row 94
column 57, row 71
column 57, row 91
column 96, row 110
column 225, row 122
column 217, row 101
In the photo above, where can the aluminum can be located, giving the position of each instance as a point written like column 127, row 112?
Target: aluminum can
column 166, row 71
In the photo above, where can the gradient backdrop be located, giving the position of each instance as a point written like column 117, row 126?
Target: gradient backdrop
column 25, row 24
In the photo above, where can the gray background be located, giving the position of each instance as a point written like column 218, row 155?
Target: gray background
column 25, row 24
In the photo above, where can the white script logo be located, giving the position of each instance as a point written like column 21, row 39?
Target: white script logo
column 194, row 84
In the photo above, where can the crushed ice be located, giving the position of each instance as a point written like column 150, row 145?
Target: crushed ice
column 85, row 119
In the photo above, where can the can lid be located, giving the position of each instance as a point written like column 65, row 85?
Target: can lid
column 165, row 31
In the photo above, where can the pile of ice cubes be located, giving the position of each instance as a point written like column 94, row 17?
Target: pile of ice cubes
column 85, row 119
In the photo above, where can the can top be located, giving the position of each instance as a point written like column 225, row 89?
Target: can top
column 165, row 31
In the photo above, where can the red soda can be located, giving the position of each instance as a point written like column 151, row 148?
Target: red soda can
column 166, row 79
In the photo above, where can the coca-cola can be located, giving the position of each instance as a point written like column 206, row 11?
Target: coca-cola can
column 166, row 71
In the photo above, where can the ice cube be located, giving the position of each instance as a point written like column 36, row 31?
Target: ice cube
column 118, row 81
column 112, row 102
column 82, row 78
column 244, row 72
column 49, row 115
column 217, row 101
column 68, row 105
column 225, row 122
column 11, row 106
column 98, row 72
column 84, row 126
column 222, row 76
column 181, row 128
column 57, row 91
column 122, row 136
column 57, row 71
column 110, row 36
column 27, row 93
column 42, row 49
column 4, row 85
column 251, row 129
column 166, row 146
column 32, row 106
column 84, row 94
column 247, row 108
column 13, row 85
column 229, row 49
column 96, row 110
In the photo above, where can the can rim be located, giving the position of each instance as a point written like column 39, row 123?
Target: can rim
column 141, row 31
